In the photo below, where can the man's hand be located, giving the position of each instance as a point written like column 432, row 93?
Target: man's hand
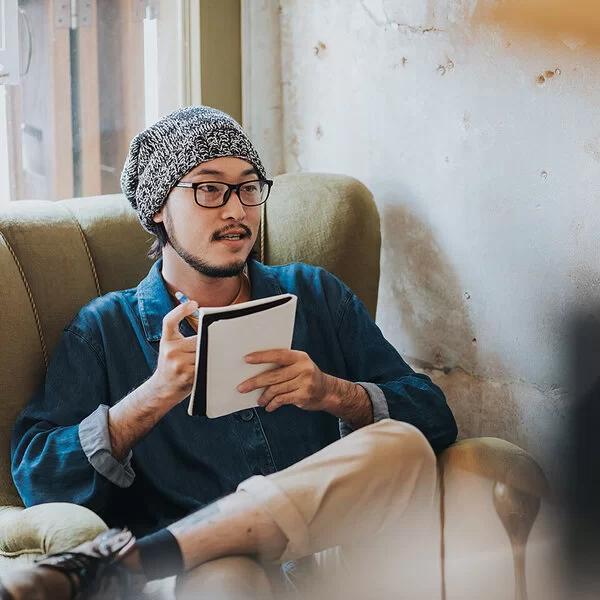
column 135, row 415
column 296, row 381
column 173, row 379
column 300, row 382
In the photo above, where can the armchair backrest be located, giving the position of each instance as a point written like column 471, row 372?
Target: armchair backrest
column 57, row 256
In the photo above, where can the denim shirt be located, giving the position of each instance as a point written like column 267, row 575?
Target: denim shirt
column 60, row 447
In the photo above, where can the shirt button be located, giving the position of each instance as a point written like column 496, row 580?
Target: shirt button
column 247, row 415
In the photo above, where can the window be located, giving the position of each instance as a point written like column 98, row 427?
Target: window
column 92, row 73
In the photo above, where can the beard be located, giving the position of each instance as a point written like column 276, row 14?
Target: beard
column 235, row 267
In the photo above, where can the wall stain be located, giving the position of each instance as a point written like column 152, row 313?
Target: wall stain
column 401, row 64
column 443, row 69
column 467, row 120
column 542, row 78
column 593, row 149
column 291, row 123
column 320, row 49
column 424, row 288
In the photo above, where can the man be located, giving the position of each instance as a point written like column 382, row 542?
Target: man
column 110, row 430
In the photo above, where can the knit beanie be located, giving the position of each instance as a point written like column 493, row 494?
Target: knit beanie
column 163, row 153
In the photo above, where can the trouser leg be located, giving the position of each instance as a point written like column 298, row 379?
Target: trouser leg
column 355, row 490
column 369, row 493
column 228, row 578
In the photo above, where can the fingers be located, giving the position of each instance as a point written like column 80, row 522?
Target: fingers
column 277, row 390
column 289, row 398
column 298, row 381
column 281, row 356
column 268, row 378
column 172, row 349
column 170, row 327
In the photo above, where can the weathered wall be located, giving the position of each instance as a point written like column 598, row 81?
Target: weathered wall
column 482, row 148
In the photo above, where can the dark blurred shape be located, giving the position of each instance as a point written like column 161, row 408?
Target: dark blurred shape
column 582, row 477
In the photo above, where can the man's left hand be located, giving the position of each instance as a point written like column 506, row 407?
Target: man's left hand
column 297, row 380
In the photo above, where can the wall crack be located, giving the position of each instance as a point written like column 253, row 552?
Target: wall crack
column 401, row 27
column 419, row 363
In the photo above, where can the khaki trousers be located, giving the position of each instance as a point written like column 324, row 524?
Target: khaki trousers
column 359, row 517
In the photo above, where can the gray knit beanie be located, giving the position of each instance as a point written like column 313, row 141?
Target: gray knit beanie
column 163, row 153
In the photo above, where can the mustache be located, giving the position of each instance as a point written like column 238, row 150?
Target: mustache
column 217, row 234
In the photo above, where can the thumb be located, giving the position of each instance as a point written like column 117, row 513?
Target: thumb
column 170, row 327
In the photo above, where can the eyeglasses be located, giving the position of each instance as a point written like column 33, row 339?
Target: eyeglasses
column 213, row 194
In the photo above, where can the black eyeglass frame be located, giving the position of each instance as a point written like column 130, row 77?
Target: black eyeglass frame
column 232, row 187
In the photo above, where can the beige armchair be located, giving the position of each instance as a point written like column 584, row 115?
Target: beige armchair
column 57, row 256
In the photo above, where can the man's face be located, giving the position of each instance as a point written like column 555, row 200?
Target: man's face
column 202, row 236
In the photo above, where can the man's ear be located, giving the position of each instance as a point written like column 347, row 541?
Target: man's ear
column 159, row 217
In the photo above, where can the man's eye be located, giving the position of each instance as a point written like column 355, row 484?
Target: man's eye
column 208, row 188
column 250, row 188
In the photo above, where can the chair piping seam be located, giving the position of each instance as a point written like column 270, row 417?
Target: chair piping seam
column 87, row 250
column 442, row 484
column 31, row 300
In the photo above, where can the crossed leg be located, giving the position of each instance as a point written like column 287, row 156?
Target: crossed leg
column 360, row 492
column 352, row 494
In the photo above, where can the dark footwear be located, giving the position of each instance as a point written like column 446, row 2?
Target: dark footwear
column 94, row 569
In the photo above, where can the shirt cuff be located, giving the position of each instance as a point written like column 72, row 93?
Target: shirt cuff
column 378, row 401
column 95, row 441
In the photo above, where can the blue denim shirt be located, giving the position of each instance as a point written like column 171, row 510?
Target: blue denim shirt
column 60, row 446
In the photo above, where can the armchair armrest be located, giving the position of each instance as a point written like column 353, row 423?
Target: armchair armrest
column 45, row 528
column 491, row 495
column 496, row 460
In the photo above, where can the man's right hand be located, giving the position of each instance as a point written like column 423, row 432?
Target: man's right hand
column 135, row 415
column 173, row 378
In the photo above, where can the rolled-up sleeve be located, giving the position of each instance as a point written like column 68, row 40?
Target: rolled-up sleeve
column 95, row 441
column 49, row 461
column 378, row 402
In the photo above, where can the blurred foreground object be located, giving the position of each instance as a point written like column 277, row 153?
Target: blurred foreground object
column 583, row 469
column 548, row 17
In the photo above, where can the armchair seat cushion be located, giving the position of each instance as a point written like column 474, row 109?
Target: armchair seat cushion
column 26, row 533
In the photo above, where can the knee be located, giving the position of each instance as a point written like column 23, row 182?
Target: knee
column 231, row 577
column 397, row 443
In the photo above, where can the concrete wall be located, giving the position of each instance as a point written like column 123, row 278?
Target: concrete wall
column 482, row 148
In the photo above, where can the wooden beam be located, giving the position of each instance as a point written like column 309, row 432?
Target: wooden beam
column 89, row 106
column 14, row 142
column 132, row 74
column 59, row 151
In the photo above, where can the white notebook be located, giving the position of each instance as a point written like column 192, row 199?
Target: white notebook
column 225, row 336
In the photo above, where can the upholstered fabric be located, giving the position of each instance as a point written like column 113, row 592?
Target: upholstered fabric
column 31, row 532
column 117, row 243
column 497, row 461
column 330, row 221
column 478, row 551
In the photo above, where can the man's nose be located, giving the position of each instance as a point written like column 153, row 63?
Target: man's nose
column 234, row 209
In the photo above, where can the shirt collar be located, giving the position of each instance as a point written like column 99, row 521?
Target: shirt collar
column 154, row 300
